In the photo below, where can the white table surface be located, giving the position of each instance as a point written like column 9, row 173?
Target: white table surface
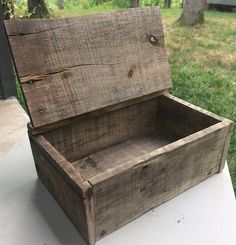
column 203, row 215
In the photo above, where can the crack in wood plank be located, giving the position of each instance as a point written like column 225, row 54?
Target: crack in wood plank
column 39, row 77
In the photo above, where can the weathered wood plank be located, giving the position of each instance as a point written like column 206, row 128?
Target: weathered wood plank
column 66, row 186
column 99, row 112
column 119, row 154
column 78, row 65
column 188, row 106
column 163, row 175
column 177, row 119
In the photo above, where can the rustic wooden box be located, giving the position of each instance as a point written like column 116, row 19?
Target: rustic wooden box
column 108, row 141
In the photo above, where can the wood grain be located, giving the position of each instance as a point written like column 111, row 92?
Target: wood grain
column 127, row 161
column 178, row 120
column 69, row 192
column 226, row 145
column 72, row 66
column 148, row 183
column 119, row 154
column 89, row 135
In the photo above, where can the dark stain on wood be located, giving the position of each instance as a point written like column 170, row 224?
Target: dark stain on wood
column 66, row 74
column 130, row 73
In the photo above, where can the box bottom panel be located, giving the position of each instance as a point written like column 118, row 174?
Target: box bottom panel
column 119, row 154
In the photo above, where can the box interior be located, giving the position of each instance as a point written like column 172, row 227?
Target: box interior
column 93, row 145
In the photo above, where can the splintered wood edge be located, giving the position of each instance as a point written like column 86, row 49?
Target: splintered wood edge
column 199, row 109
column 226, row 146
column 156, row 153
column 42, row 129
column 63, row 165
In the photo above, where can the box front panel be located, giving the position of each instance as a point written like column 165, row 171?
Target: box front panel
column 127, row 195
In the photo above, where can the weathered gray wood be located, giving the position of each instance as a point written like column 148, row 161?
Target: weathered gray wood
column 129, row 164
column 226, row 145
column 99, row 112
column 89, row 135
column 72, row 66
column 165, row 173
column 176, row 119
column 66, row 186
column 182, row 136
column 119, row 154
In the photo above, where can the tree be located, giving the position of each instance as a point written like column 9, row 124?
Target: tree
column 193, row 12
column 60, row 4
column 8, row 9
column 98, row 2
column 135, row 3
column 37, row 9
column 167, row 4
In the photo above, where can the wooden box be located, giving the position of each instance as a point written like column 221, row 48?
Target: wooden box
column 108, row 141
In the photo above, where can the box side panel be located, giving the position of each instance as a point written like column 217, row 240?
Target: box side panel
column 178, row 119
column 129, row 194
column 66, row 195
column 89, row 135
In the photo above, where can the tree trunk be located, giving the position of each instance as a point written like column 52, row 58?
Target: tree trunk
column 193, row 12
column 167, row 4
column 135, row 3
column 60, row 4
column 98, row 2
column 37, row 9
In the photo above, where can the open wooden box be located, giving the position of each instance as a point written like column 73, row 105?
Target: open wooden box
column 108, row 142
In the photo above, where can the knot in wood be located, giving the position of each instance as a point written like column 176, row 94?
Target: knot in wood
column 130, row 73
column 153, row 40
column 103, row 233
column 145, row 167
column 42, row 110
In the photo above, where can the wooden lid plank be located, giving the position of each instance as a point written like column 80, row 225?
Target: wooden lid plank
column 71, row 66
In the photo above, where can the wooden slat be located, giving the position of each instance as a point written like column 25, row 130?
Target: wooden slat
column 72, row 66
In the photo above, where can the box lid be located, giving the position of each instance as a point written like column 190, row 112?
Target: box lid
column 72, row 66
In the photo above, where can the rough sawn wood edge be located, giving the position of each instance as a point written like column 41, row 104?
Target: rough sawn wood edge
column 101, row 111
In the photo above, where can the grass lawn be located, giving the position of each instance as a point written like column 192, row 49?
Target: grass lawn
column 203, row 63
